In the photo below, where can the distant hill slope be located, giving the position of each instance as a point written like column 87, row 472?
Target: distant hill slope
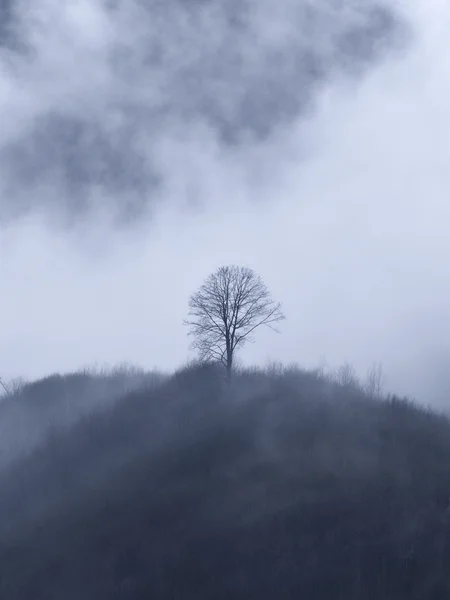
column 281, row 486
column 33, row 409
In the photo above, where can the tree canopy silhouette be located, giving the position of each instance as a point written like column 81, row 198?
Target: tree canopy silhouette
column 224, row 313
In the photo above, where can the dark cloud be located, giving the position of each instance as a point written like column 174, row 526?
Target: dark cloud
column 6, row 22
column 80, row 154
column 239, row 69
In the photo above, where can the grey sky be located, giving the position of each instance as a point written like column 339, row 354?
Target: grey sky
column 143, row 144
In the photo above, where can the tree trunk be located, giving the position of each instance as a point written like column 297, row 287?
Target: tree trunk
column 229, row 364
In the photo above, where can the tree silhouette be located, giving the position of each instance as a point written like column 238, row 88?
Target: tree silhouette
column 230, row 305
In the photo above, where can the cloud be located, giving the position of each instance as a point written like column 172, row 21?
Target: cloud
column 100, row 87
column 308, row 143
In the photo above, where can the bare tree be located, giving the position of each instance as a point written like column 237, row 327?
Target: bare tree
column 375, row 380
column 5, row 387
column 224, row 313
column 346, row 376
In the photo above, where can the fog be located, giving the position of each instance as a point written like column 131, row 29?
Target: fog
column 145, row 144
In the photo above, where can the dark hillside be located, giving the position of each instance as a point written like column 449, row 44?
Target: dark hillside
column 281, row 486
column 33, row 409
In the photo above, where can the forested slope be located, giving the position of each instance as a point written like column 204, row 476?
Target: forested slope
column 281, row 485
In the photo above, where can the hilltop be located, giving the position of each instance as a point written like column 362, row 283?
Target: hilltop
column 284, row 484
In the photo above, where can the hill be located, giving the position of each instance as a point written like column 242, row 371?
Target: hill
column 282, row 485
column 30, row 411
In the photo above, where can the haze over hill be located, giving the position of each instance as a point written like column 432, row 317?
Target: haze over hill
column 143, row 144
column 282, row 484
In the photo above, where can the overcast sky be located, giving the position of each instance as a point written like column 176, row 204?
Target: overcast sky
column 143, row 144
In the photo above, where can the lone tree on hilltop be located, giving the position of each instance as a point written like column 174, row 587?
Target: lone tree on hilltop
column 226, row 310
